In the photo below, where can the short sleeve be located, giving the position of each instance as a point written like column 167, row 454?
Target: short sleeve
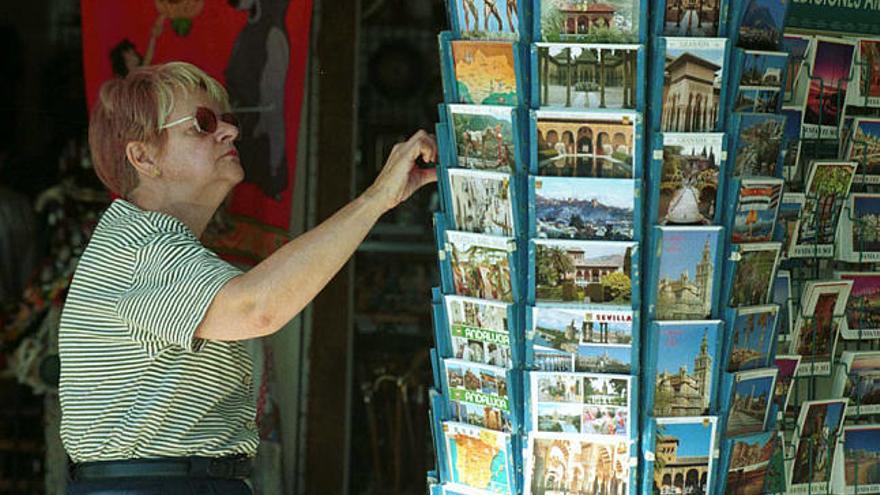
column 174, row 280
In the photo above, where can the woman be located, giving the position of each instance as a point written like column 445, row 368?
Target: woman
column 155, row 382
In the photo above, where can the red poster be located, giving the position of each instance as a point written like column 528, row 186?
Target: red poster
column 258, row 50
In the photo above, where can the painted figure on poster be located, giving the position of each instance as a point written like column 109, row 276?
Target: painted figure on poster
column 255, row 77
column 490, row 9
column 470, row 12
column 511, row 14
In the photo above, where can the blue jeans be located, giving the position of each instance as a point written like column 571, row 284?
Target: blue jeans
column 159, row 486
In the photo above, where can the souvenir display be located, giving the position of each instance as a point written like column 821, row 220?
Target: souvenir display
column 478, row 394
column 475, row 330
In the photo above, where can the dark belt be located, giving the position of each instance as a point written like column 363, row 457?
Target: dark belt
column 179, row 467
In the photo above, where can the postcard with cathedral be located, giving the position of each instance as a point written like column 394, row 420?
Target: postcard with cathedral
column 861, row 451
column 479, row 458
column 749, row 403
column 687, row 272
column 481, row 202
column 485, row 72
column 582, row 208
column 757, row 204
column 477, row 394
column 590, row 466
column 479, row 330
column 753, row 273
column 752, row 337
column 749, row 462
column 689, row 178
column 579, row 403
column 483, row 137
column 818, row 432
column 863, row 306
column 586, row 76
column 583, row 272
column 856, row 379
column 787, row 366
column 593, row 339
column 578, row 144
column 683, row 357
column 691, row 96
column 685, row 444
column 609, row 21
column 480, row 265
column 819, row 319
column 487, row 19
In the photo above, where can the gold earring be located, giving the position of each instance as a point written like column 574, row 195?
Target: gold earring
column 156, row 172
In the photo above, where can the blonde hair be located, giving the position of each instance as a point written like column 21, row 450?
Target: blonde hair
column 135, row 109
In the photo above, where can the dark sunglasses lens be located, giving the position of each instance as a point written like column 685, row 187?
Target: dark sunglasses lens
column 206, row 120
column 230, row 119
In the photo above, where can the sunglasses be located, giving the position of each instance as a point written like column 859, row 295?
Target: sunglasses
column 205, row 120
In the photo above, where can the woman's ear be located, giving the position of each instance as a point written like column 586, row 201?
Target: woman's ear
column 142, row 157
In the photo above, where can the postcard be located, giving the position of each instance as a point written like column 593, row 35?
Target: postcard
column 856, row 379
column 687, row 272
column 750, row 401
column 692, row 19
column 787, row 366
column 787, row 221
column 485, row 72
column 860, row 229
column 478, row 394
column 776, row 477
column 479, row 330
column 587, row 76
column 820, row 425
column 863, row 306
column 750, row 462
column 753, row 274
column 685, row 444
column 831, row 72
column 580, row 403
column 584, row 272
column 481, row 202
column 866, row 92
column 756, row 208
column 584, row 208
column 799, row 49
column 593, row 465
column 753, row 337
column 828, row 184
column 757, row 100
column 487, row 19
column 483, row 137
column 758, row 144
column 863, row 148
column 572, row 144
column 686, row 364
column 861, row 450
column 692, row 87
column 596, row 339
column 478, row 457
column 689, row 178
column 607, row 22
column 481, row 265
column 761, row 24
column 818, row 322
column 791, row 143
column 783, row 297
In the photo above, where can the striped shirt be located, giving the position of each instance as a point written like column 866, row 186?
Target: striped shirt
column 135, row 383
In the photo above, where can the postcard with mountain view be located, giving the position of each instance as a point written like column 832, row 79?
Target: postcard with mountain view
column 761, row 24
column 687, row 272
column 584, row 209
column 591, row 339
column 485, row 72
column 689, row 178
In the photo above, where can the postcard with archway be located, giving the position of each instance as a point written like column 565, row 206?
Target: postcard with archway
column 578, row 144
column 862, row 306
column 583, row 404
column 690, row 18
column 855, row 378
column 583, row 208
column 685, row 276
column 693, row 84
column 485, row 72
column 608, row 21
column 479, row 458
column 861, row 451
column 818, row 432
column 749, row 461
column 752, row 337
column 689, row 176
column 478, row 394
column 682, row 367
column 560, row 463
column 478, row 330
column 480, row 265
column 747, row 401
column 583, row 272
column 484, row 137
column 590, row 339
column 684, row 455
column 819, row 318
column 587, row 76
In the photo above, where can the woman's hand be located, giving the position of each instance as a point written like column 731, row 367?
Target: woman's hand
column 401, row 177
